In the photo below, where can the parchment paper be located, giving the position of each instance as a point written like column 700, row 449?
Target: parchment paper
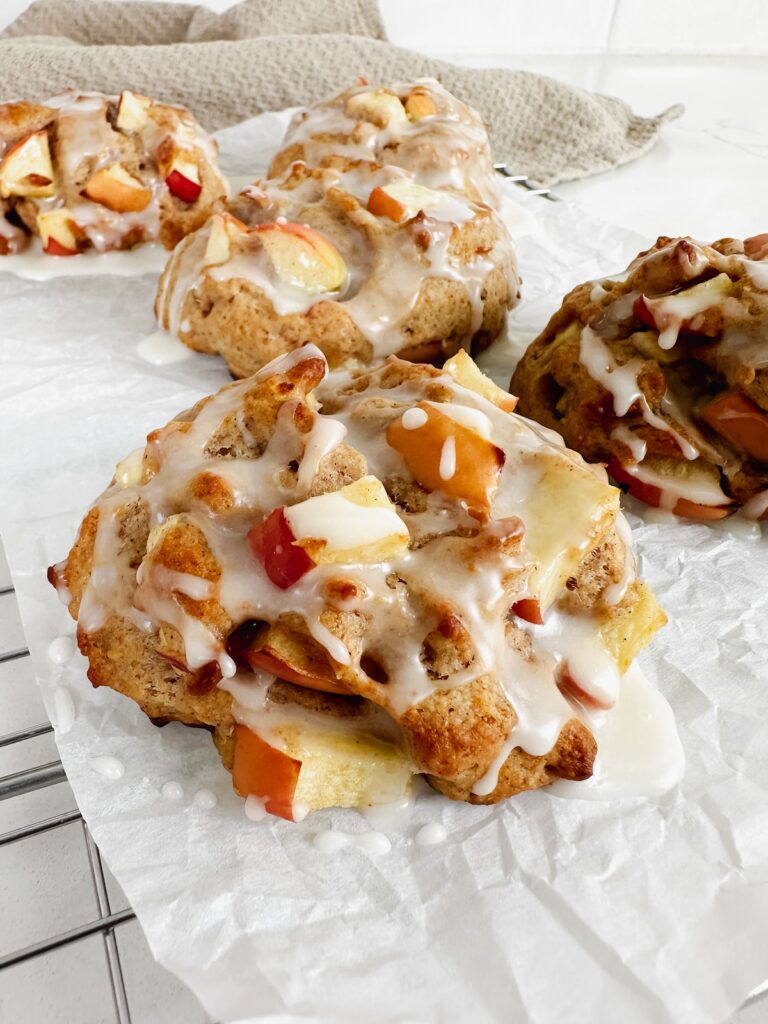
column 540, row 909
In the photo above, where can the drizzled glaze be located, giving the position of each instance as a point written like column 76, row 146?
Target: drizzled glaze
column 448, row 149
column 83, row 142
column 709, row 304
column 387, row 263
column 432, row 572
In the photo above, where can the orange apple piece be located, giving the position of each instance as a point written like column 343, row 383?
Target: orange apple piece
column 528, row 608
column 470, row 376
column 57, row 231
column 302, row 257
column 418, row 105
column 381, row 108
column 382, row 204
column 26, row 168
column 270, row 663
column 651, row 494
column 739, row 421
column 444, row 455
column 116, row 189
column 265, row 772
column 132, row 111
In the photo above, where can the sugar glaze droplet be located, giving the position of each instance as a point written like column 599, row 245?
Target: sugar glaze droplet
column 108, row 767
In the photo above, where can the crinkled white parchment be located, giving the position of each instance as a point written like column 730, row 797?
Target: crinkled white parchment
column 540, row 909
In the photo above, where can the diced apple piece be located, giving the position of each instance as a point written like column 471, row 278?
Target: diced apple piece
column 470, row 376
column 132, row 111
column 653, row 494
column 116, row 189
column 528, row 608
column 382, row 204
column 418, row 105
column 58, row 232
column 219, row 247
column 444, row 455
column 26, row 168
column 274, row 544
column 183, row 179
column 756, row 247
column 262, row 770
column 318, row 767
column 565, row 515
column 678, row 311
column 356, row 524
column 739, row 421
column 273, row 649
column 302, row 257
column 625, row 629
column 381, row 108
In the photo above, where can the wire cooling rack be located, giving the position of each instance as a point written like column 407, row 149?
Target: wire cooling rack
column 106, row 922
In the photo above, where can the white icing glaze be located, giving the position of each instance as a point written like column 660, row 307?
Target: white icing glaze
column 447, row 467
column 34, row 265
column 108, row 767
column 341, row 523
column 63, row 710
column 615, row 592
column 205, row 799
column 333, row 840
column 621, row 382
column 636, row 445
column 414, row 418
column 172, row 790
column 161, row 348
column 431, row 834
column 62, row 649
column 254, row 808
column 638, row 749
column 698, row 488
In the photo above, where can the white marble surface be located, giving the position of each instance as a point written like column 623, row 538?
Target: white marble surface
column 705, row 178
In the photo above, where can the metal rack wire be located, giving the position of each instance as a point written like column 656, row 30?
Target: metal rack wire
column 39, row 777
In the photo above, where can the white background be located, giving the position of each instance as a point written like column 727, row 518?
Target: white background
column 707, row 177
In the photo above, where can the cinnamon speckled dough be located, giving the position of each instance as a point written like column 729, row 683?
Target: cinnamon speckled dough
column 721, row 347
column 420, row 289
column 418, row 126
column 84, row 138
column 218, row 469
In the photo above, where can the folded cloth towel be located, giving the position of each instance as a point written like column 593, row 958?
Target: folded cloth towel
column 269, row 54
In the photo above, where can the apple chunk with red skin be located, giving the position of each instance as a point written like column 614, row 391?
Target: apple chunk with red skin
column 651, row 494
column 739, row 421
column 302, row 257
column 119, row 191
column 528, row 608
column 478, row 462
column 681, row 308
column 58, row 232
column 294, row 539
column 273, row 649
column 26, row 168
column 265, row 772
column 183, row 180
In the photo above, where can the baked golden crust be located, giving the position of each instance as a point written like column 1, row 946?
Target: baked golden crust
column 315, row 547
column 94, row 171
column 661, row 373
column 312, row 258
column 418, row 126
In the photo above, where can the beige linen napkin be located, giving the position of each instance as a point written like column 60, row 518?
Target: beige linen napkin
column 269, row 54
